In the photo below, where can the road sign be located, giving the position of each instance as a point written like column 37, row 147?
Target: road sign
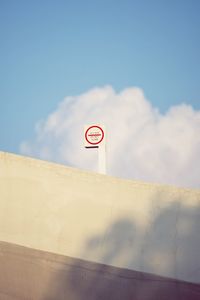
column 94, row 136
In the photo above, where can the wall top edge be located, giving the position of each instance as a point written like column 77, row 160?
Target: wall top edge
column 64, row 170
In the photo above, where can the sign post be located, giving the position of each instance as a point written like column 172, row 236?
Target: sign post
column 95, row 137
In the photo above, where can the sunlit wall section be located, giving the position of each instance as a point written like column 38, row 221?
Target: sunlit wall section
column 122, row 223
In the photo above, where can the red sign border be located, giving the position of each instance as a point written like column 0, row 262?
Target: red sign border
column 101, row 137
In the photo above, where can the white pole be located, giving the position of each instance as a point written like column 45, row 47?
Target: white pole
column 102, row 159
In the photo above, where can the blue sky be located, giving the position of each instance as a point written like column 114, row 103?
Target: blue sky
column 53, row 49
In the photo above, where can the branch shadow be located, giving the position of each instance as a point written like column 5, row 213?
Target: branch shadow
column 127, row 262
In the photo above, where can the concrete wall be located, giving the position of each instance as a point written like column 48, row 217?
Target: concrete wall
column 121, row 223
column 33, row 274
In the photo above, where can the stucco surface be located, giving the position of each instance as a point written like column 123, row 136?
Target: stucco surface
column 127, row 224
column 34, row 274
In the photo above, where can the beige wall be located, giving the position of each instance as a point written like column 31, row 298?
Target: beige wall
column 128, row 224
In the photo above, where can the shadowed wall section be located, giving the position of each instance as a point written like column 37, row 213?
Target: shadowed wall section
column 70, row 234
column 34, row 274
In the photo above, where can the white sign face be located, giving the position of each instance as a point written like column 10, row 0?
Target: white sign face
column 94, row 136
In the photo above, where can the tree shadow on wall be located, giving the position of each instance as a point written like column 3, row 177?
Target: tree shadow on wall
column 124, row 261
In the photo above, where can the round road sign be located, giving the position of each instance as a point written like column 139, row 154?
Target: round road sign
column 94, row 135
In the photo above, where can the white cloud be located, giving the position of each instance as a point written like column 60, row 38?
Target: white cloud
column 142, row 143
